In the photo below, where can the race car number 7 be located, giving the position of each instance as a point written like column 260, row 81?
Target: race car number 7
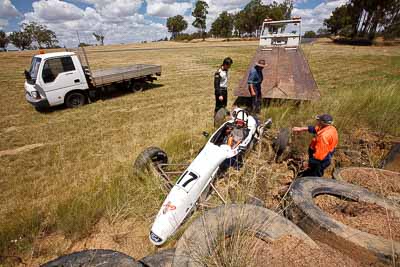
column 187, row 180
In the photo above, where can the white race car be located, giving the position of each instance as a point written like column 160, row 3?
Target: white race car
column 223, row 149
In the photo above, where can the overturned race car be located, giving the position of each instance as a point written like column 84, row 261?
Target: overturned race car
column 224, row 149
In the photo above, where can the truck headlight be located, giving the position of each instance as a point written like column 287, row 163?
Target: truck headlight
column 35, row 94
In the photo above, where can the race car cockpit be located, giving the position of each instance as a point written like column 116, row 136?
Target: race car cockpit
column 232, row 133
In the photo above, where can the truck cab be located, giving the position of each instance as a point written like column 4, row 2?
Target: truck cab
column 283, row 33
column 52, row 76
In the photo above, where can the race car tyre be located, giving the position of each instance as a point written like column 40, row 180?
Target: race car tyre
column 320, row 226
column 392, row 160
column 281, row 142
column 147, row 160
column 163, row 258
column 94, row 257
column 220, row 117
column 201, row 238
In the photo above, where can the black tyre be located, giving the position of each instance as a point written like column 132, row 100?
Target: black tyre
column 280, row 143
column 320, row 226
column 220, row 117
column 163, row 258
column 201, row 238
column 138, row 86
column 148, row 159
column 392, row 160
column 95, row 257
column 381, row 182
column 75, row 99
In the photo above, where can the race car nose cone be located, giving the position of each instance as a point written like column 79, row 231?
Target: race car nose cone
column 155, row 239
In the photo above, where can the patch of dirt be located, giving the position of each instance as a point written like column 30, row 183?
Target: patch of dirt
column 290, row 251
column 363, row 216
column 378, row 181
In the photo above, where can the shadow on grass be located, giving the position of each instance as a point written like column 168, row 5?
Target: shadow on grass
column 106, row 94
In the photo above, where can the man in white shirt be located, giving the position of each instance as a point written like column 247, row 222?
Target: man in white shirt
column 221, row 84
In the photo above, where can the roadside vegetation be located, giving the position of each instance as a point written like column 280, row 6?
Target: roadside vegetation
column 80, row 176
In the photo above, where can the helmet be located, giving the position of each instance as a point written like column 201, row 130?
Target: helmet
column 240, row 117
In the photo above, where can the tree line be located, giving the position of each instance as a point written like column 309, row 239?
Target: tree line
column 34, row 35
column 31, row 35
column 244, row 23
column 355, row 19
column 364, row 19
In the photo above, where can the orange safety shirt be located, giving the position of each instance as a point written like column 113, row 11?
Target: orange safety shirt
column 324, row 142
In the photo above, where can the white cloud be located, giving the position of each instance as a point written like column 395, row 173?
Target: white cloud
column 115, row 8
column 166, row 8
column 312, row 19
column 119, row 29
column 3, row 23
column 7, row 11
column 54, row 10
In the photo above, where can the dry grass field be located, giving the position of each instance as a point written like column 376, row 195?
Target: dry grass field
column 64, row 174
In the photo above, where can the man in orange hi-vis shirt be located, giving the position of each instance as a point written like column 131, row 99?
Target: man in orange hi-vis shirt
column 322, row 146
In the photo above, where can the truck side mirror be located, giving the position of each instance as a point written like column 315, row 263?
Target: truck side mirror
column 28, row 76
column 206, row 134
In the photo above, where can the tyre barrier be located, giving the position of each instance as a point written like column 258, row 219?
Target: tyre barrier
column 320, row 226
column 163, row 258
column 94, row 257
column 200, row 238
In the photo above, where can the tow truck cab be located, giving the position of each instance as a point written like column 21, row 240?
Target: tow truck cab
column 51, row 77
column 284, row 33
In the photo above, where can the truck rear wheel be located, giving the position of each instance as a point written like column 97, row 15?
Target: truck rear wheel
column 75, row 99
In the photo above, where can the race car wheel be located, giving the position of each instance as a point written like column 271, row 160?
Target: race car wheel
column 321, row 226
column 280, row 143
column 200, row 239
column 94, row 257
column 163, row 258
column 220, row 117
column 148, row 160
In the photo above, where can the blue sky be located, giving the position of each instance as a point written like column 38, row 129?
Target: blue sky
column 123, row 21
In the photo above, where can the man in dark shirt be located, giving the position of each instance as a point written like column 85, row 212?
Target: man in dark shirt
column 254, row 82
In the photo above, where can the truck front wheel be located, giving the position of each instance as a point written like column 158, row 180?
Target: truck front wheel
column 75, row 99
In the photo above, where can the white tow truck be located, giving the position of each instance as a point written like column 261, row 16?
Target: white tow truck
column 287, row 75
column 66, row 78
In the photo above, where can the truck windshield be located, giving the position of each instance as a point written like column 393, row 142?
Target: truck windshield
column 33, row 71
column 291, row 28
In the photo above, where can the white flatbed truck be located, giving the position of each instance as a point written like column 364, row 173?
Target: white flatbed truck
column 61, row 78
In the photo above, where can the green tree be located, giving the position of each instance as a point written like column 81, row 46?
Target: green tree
column 364, row 18
column 251, row 18
column 99, row 37
column 3, row 40
column 200, row 16
column 340, row 21
column 176, row 25
column 321, row 32
column 223, row 25
column 22, row 40
column 310, row 34
column 40, row 34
